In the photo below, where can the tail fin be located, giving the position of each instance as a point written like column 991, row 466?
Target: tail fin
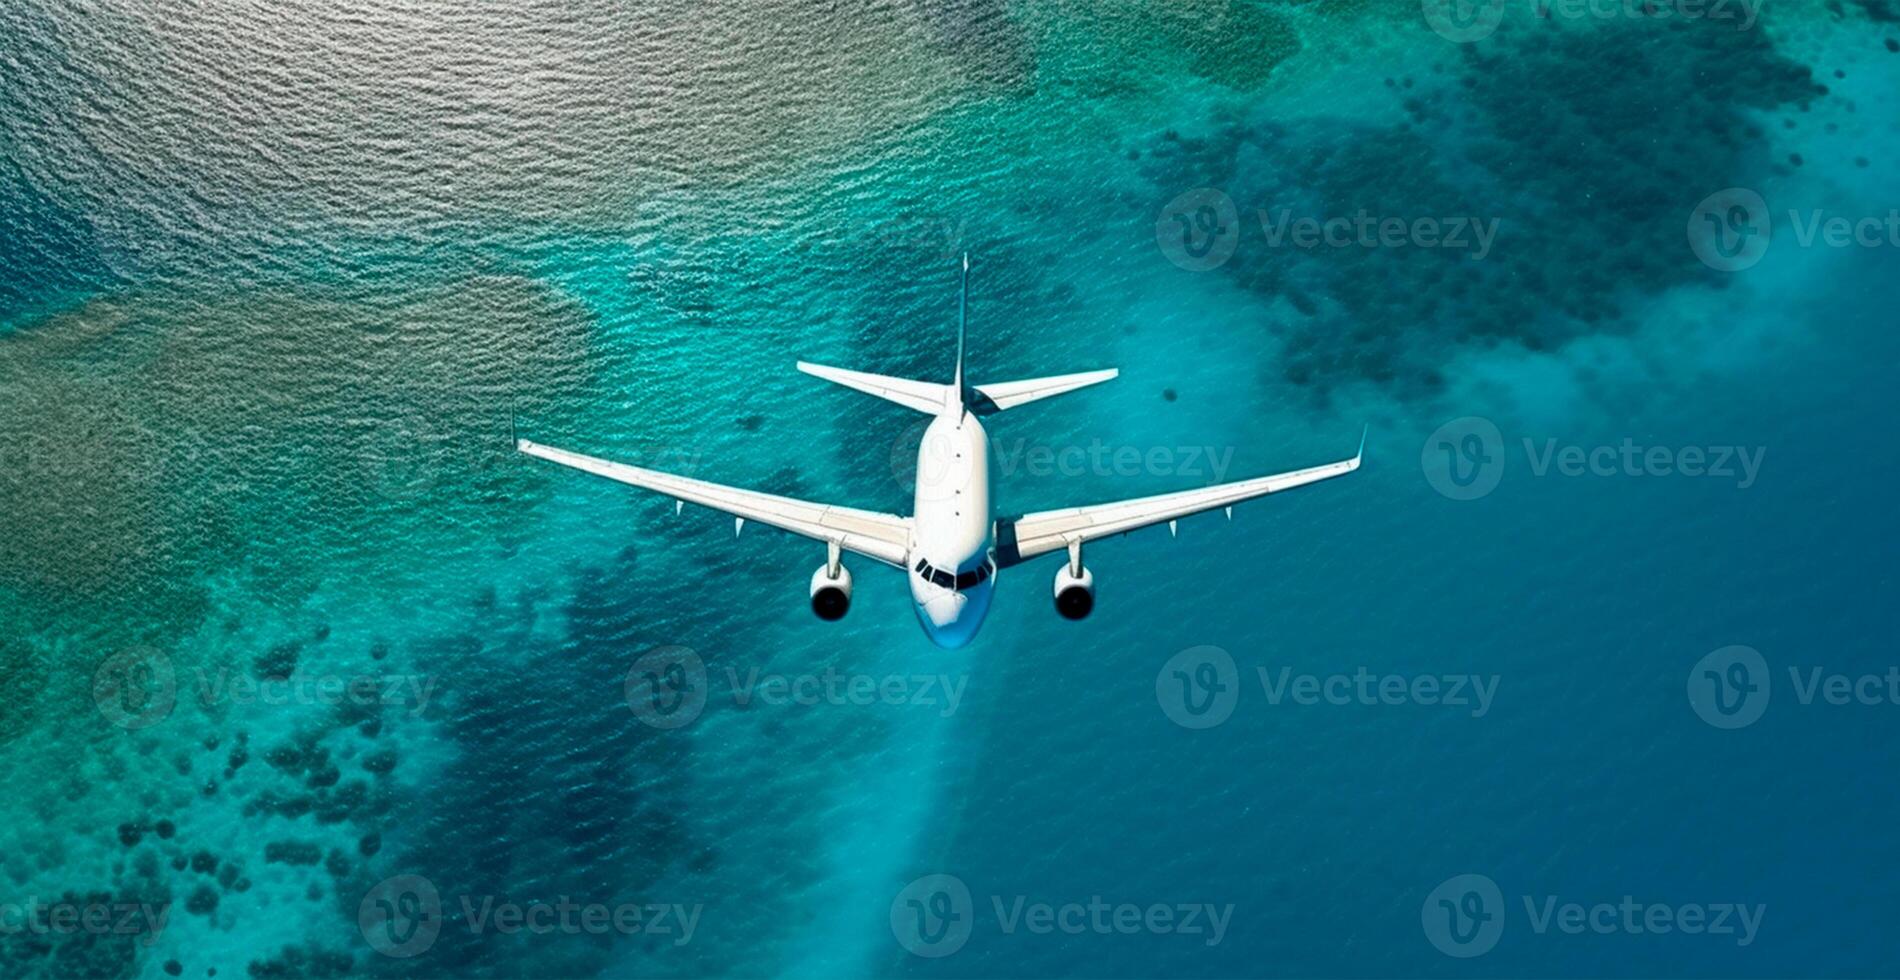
column 931, row 398
column 963, row 320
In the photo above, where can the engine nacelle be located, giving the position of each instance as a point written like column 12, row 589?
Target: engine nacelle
column 1075, row 594
column 831, row 596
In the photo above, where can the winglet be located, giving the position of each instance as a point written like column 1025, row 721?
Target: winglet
column 1361, row 454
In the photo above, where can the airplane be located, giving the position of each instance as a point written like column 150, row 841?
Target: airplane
column 952, row 546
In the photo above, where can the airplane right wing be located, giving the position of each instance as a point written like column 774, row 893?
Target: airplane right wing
column 1054, row 530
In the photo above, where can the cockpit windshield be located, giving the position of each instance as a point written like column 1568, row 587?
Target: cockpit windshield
column 959, row 581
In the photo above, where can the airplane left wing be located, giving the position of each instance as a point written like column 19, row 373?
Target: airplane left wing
column 884, row 537
column 1054, row 530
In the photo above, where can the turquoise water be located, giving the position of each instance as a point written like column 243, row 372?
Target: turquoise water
column 278, row 283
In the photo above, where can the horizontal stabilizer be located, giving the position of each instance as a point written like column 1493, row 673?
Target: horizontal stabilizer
column 928, row 397
column 1003, row 395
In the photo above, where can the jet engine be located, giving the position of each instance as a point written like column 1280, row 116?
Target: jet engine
column 1075, row 593
column 831, row 594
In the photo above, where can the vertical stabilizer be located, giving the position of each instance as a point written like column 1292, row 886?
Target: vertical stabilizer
column 958, row 396
column 963, row 319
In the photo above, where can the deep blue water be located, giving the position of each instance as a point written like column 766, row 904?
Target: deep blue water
column 276, row 284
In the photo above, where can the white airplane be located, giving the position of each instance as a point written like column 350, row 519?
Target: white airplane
column 951, row 547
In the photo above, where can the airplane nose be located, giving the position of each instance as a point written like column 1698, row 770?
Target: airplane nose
column 944, row 610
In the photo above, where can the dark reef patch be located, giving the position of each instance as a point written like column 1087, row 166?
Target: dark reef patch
column 606, row 817
column 1879, row 11
column 91, row 953
column 303, row 963
column 1588, row 149
column 294, row 852
column 277, row 663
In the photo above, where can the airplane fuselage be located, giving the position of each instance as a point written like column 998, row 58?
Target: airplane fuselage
column 952, row 561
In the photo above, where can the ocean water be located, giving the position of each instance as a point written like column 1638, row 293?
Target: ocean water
column 298, row 657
